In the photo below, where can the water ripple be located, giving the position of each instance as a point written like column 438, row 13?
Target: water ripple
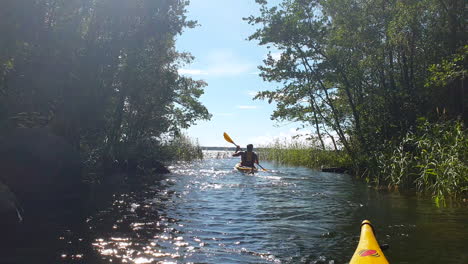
column 206, row 212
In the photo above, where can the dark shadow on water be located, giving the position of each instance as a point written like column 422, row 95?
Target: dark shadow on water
column 59, row 231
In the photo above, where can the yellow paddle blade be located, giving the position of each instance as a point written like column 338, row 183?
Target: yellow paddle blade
column 228, row 138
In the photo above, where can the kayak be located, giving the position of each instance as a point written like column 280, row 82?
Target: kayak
column 368, row 250
column 245, row 169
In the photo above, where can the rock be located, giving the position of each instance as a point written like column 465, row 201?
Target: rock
column 39, row 167
column 145, row 165
column 159, row 167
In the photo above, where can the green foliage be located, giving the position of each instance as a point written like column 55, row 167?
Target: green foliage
column 101, row 73
column 433, row 158
column 449, row 70
column 446, row 88
column 365, row 71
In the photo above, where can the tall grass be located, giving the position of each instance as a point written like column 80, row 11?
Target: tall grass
column 433, row 159
column 183, row 148
column 300, row 153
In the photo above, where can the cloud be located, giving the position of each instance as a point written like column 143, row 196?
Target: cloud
column 276, row 55
column 255, row 73
column 252, row 93
column 247, row 107
column 191, row 72
column 284, row 136
column 221, row 63
column 224, row 114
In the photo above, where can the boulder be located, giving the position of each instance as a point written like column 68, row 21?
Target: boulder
column 39, row 167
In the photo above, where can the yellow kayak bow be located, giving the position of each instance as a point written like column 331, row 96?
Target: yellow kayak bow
column 368, row 250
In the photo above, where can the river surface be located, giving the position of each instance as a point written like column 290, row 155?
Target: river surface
column 206, row 212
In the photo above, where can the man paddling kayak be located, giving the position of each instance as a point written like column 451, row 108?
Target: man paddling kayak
column 248, row 158
column 255, row 158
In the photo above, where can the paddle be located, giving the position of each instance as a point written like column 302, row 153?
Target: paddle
column 229, row 139
column 262, row 167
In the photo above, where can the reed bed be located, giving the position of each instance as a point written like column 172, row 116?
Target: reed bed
column 183, row 148
column 300, row 153
column 433, row 159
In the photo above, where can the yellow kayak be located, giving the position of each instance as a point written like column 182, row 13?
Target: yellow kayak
column 368, row 250
column 245, row 168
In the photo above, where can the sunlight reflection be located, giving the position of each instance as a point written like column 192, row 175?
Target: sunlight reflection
column 121, row 248
column 142, row 260
column 147, row 227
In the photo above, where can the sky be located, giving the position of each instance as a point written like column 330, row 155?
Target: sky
column 228, row 62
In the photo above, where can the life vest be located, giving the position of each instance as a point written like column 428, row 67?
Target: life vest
column 248, row 158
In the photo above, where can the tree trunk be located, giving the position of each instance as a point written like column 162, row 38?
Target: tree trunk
column 316, row 121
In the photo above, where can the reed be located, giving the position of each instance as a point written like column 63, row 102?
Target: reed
column 432, row 159
column 300, row 153
column 183, row 148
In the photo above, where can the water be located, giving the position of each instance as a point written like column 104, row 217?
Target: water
column 206, row 212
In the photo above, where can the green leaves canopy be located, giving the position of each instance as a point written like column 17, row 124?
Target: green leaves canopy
column 103, row 73
column 359, row 68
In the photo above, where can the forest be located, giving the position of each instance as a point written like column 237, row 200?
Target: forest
column 383, row 80
column 96, row 164
column 101, row 74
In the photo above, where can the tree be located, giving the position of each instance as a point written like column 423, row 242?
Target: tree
column 102, row 74
column 358, row 67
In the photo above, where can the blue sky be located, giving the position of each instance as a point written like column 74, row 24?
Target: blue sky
column 228, row 63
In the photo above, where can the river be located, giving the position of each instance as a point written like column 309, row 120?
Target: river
column 206, row 212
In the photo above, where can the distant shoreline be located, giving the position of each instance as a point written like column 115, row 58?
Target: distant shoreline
column 218, row 148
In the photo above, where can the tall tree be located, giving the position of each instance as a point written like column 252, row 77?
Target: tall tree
column 358, row 67
column 101, row 73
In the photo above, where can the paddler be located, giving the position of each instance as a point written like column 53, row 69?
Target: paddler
column 248, row 158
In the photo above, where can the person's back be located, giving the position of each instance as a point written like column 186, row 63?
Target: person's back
column 248, row 158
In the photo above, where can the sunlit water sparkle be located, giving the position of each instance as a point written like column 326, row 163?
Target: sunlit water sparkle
column 207, row 212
